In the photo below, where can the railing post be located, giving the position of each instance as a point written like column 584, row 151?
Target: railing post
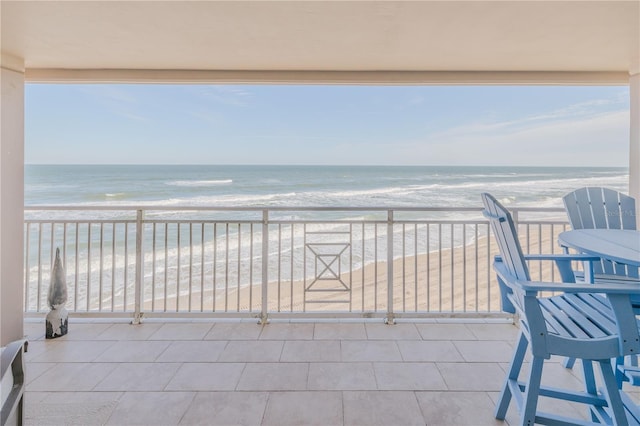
column 265, row 267
column 390, row 317
column 138, row 314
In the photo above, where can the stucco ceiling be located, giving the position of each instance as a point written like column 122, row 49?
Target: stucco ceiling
column 566, row 36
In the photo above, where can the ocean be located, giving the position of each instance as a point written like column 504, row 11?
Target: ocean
column 204, row 258
column 308, row 186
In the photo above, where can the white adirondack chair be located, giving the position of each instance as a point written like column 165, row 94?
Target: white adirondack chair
column 591, row 322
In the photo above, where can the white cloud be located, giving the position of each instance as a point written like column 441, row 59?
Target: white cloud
column 600, row 139
column 109, row 93
column 117, row 100
column 597, row 139
column 236, row 96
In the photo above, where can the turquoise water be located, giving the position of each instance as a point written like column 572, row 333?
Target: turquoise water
column 295, row 186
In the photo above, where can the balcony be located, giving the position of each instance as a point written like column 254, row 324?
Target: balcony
column 278, row 353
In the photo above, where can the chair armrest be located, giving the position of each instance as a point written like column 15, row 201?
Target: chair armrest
column 563, row 257
column 12, row 364
column 9, row 354
column 605, row 288
column 616, row 287
column 563, row 263
column 559, row 256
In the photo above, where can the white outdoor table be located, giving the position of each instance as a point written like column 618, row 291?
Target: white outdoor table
column 617, row 245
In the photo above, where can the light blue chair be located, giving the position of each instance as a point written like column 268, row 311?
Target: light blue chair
column 603, row 208
column 591, row 322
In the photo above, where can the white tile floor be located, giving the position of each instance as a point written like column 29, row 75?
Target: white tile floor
column 285, row 373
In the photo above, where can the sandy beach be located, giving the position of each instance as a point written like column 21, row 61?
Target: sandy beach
column 449, row 281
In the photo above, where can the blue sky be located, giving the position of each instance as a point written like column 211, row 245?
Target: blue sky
column 342, row 125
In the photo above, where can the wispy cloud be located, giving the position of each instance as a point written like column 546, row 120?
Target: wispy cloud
column 237, row 96
column 212, row 104
column 416, row 100
column 576, row 111
column 207, row 115
column 108, row 92
column 589, row 139
column 582, row 109
column 117, row 99
column 587, row 133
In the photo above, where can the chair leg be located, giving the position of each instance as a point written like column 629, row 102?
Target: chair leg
column 568, row 363
column 589, row 377
column 617, row 370
column 612, row 393
column 514, row 372
column 532, row 391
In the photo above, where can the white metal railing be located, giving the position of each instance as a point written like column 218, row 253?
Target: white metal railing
column 260, row 262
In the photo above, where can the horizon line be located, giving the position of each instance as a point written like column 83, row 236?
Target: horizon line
column 320, row 165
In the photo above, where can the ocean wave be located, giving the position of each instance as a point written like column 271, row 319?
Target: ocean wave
column 617, row 180
column 529, row 192
column 507, row 200
column 454, row 188
column 237, row 199
column 200, row 183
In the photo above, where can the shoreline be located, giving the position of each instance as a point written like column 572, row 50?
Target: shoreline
column 454, row 280
column 450, row 280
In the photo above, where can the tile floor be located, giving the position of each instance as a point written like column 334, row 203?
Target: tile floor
column 438, row 372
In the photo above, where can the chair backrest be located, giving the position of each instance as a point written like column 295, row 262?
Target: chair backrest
column 512, row 258
column 506, row 237
column 602, row 208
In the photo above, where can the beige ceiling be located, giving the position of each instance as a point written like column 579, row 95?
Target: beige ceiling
column 321, row 36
